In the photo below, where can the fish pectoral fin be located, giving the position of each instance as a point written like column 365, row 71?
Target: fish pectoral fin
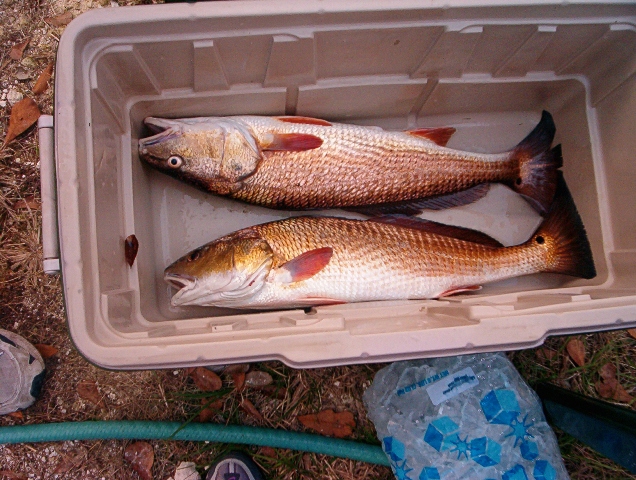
column 290, row 142
column 440, row 135
column 304, row 266
column 453, row 291
column 460, row 233
column 304, row 120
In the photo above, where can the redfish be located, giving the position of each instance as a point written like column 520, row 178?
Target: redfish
column 305, row 261
column 303, row 163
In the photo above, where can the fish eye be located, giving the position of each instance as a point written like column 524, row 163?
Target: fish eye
column 194, row 256
column 175, row 161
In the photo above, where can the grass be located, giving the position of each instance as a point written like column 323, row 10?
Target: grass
column 31, row 304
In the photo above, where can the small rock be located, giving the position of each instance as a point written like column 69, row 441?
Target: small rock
column 28, row 62
column 22, row 75
column 13, row 96
column 237, row 367
column 258, row 379
column 186, row 471
column 3, row 103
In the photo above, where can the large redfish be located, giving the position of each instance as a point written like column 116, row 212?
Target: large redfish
column 305, row 163
column 304, row 261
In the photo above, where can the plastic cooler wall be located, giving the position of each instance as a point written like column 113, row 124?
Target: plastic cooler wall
column 488, row 72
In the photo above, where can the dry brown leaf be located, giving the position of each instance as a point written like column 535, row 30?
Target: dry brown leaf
column 576, row 350
column 210, row 409
column 608, row 372
column 545, row 354
column 47, row 351
column 621, row 395
column 238, row 378
column 632, row 332
column 18, row 49
column 87, row 390
column 29, row 202
column 141, row 457
column 60, row 20
column 268, row 452
column 249, row 408
column 131, row 247
column 67, row 463
column 272, row 391
column 17, row 415
column 330, row 423
column 237, row 367
column 606, row 389
column 23, row 114
column 42, row 83
column 206, row 380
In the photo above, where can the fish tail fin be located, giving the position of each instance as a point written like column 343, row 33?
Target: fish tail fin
column 569, row 249
column 537, row 164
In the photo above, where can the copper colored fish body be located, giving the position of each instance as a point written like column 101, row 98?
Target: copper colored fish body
column 304, row 261
column 305, row 163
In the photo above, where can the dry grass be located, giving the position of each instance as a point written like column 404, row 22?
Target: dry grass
column 31, row 304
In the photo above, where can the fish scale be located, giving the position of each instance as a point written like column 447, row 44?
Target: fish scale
column 302, row 163
column 375, row 261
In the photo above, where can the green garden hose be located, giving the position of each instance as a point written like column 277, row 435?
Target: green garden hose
column 198, row 432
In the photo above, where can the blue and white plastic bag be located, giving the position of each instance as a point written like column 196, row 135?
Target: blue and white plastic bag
column 467, row 417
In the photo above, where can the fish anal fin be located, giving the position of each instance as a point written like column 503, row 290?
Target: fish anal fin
column 304, row 120
column 415, row 207
column 304, row 266
column 454, row 291
column 291, row 142
column 429, row 226
column 439, row 135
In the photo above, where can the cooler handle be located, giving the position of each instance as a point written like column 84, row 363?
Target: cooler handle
column 48, row 191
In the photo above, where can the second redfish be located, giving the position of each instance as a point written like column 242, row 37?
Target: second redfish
column 304, row 163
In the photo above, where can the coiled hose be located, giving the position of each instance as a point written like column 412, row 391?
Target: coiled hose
column 198, row 432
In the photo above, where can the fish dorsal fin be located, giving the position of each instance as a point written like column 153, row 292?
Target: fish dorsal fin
column 305, row 120
column 439, row 135
column 452, row 231
column 414, row 207
column 453, row 291
column 290, row 142
column 304, row 266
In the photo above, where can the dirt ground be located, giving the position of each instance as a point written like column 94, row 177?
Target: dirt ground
column 31, row 304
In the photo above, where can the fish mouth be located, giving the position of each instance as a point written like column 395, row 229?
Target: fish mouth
column 180, row 281
column 162, row 130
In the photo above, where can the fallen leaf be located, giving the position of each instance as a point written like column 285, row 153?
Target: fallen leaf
column 249, row 408
column 87, row 390
column 210, row 409
column 237, row 367
column 42, row 83
column 131, row 247
column 60, row 20
column 29, row 202
column 621, row 395
column 632, row 332
column 17, row 415
column 18, row 49
column 68, row 462
column 608, row 372
column 328, row 422
column 206, row 380
column 272, row 391
column 141, row 457
column 268, row 452
column 606, row 389
column 23, row 114
column 576, row 350
column 238, row 378
column 12, row 475
column 258, row 379
column 47, row 351
column 545, row 354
